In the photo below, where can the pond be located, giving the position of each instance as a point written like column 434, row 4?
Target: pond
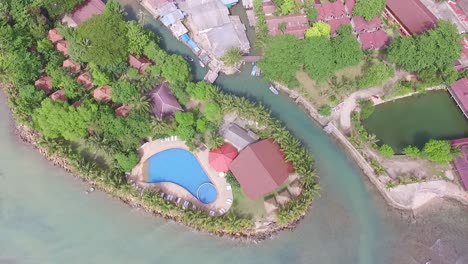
column 417, row 119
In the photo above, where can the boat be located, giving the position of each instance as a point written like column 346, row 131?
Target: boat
column 201, row 64
column 188, row 58
column 273, row 90
column 254, row 70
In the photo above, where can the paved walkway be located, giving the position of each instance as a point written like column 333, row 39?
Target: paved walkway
column 153, row 147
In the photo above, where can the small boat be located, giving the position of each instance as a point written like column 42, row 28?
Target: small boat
column 254, row 70
column 188, row 58
column 273, row 90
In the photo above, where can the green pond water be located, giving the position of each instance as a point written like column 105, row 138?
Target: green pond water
column 417, row 119
column 46, row 217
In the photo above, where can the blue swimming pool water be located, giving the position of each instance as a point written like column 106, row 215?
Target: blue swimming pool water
column 181, row 167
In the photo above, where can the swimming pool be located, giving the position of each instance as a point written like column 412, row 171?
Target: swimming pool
column 181, row 167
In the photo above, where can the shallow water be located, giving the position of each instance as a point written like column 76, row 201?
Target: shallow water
column 46, row 217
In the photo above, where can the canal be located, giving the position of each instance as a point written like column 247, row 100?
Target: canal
column 417, row 119
column 45, row 216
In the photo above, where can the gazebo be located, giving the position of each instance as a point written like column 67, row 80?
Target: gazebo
column 221, row 158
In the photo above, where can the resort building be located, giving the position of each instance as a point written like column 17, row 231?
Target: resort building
column 138, row 63
column 85, row 80
column 269, row 8
column 362, row 25
column 44, row 83
column 349, row 6
column 71, row 65
column 461, row 163
column 62, row 46
column 53, row 36
column 260, row 168
column 83, row 12
column 336, row 23
column 238, row 137
column 103, row 93
column 163, row 103
column 178, row 29
column 123, row 111
column 462, row 62
column 374, row 40
column 330, row 10
column 222, row 157
column 296, row 25
column 411, row 15
column 58, row 96
column 459, row 92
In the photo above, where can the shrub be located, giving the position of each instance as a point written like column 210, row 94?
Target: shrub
column 127, row 161
column 325, row 110
column 412, row 151
column 386, row 151
column 232, row 180
column 367, row 108
column 438, row 151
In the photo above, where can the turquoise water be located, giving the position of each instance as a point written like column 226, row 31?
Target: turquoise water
column 181, row 167
column 417, row 119
column 46, row 217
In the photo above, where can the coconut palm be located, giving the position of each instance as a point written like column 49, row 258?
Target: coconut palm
column 141, row 104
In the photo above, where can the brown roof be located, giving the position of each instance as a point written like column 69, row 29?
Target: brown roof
column 336, row 23
column 461, row 163
column 86, row 10
column 85, row 80
column 44, row 83
column 73, row 66
column 269, row 8
column 330, row 10
column 373, row 40
column 163, row 102
column 54, row 36
column 412, row 15
column 138, row 63
column 360, row 24
column 459, row 91
column 62, row 46
column 260, row 168
column 123, row 111
column 58, row 96
column 103, row 93
column 349, row 4
column 463, row 4
column 295, row 25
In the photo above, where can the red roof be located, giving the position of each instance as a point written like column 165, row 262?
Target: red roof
column 163, row 102
column 336, row 23
column 44, row 83
column 360, row 24
column 461, row 163
column 54, row 36
column 269, row 8
column 62, row 46
column 221, row 158
column 373, row 40
column 331, row 10
column 295, row 25
column 103, row 93
column 123, row 111
column 138, row 63
column 412, row 15
column 349, row 4
column 459, row 91
column 260, row 168
column 73, row 66
column 85, row 80
column 86, row 10
column 58, row 96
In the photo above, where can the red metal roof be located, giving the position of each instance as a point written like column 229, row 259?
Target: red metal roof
column 58, row 96
column 73, row 66
column 44, row 83
column 138, row 63
column 295, row 25
column 360, row 24
column 164, row 102
column 54, row 36
column 412, row 15
column 331, row 10
column 103, row 93
column 269, row 8
column 123, row 111
column 62, row 46
column 336, row 23
column 350, row 6
column 87, row 10
column 459, row 90
column 221, row 158
column 85, row 80
column 373, row 40
column 260, row 168
column 461, row 163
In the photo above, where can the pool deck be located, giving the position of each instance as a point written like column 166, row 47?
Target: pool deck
column 150, row 148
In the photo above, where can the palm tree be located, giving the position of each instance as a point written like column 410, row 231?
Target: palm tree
column 282, row 27
column 141, row 104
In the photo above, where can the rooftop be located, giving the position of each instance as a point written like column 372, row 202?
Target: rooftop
column 459, row 90
column 295, row 25
column 330, row 10
column 85, row 80
column 231, row 35
column 461, row 163
column 269, row 8
column 71, row 65
column 373, row 40
column 336, row 23
column 44, row 83
column 412, row 15
column 239, row 137
column 138, row 63
column 360, row 24
column 62, row 46
column 58, row 96
column 54, row 36
column 123, row 111
column 103, row 93
column 83, row 12
column 163, row 102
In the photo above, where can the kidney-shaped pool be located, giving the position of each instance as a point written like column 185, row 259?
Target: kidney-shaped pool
column 181, row 167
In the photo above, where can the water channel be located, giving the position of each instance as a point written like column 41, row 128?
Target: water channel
column 45, row 216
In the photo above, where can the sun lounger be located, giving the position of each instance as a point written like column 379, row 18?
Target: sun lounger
column 185, row 205
column 228, row 187
column 212, row 213
column 170, row 197
column 222, row 211
column 178, row 200
column 229, row 201
column 162, row 195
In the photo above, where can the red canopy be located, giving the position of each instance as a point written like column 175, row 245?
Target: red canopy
column 221, row 158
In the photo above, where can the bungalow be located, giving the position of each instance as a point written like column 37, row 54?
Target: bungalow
column 411, row 15
column 362, row 25
column 459, row 92
column 462, row 62
column 163, row 102
column 83, row 12
column 331, row 10
column 260, row 168
column 123, row 111
column 62, row 46
column 349, row 6
column 54, row 36
column 85, row 80
column 238, row 137
column 44, row 83
column 461, row 163
column 103, row 93
column 170, row 14
column 71, row 65
column 269, row 8
column 140, row 63
column 336, row 23
column 58, row 96
column 296, row 25
column 373, row 40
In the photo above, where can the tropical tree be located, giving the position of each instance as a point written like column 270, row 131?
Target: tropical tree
column 231, row 57
column 368, row 9
column 438, row 151
column 319, row 29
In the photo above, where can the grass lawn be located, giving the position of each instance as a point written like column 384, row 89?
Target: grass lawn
column 93, row 153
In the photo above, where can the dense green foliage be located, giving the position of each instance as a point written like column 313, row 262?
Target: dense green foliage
column 319, row 29
column 438, row 151
column 127, row 161
column 231, row 57
column 375, row 74
column 412, row 151
column 325, row 110
column 56, row 8
column 386, row 151
column 368, row 9
column 367, row 108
